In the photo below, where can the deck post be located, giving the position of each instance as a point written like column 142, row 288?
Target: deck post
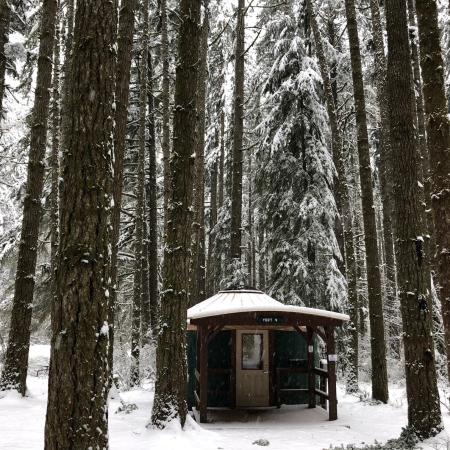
column 311, row 374
column 233, row 370
column 331, row 357
column 203, row 356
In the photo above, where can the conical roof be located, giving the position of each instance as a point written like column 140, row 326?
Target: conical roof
column 251, row 300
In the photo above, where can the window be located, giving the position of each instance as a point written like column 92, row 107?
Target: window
column 252, row 352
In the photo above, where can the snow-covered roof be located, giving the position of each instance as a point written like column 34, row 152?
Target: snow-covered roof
column 238, row 301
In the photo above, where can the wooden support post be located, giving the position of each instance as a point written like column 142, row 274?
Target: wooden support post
column 203, row 357
column 331, row 357
column 311, row 374
column 233, row 370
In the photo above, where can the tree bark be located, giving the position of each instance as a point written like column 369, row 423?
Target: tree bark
column 152, row 206
column 146, row 331
column 424, row 158
column 124, row 54
column 54, row 155
column 165, row 95
column 68, row 40
column 412, row 269
column 238, row 131
column 5, row 17
column 16, row 359
column 170, row 386
column 261, row 258
column 343, row 204
column 438, row 134
column 385, row 169
column 197, row 292
column 139, row 255
column 211, row 259
column 378, row 347
column 221, row 174
column 77, row 412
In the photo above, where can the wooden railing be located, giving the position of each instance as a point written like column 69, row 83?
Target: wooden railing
column 280, row 371
column 321, row 391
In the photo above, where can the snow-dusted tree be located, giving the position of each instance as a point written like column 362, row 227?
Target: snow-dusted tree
column 378, row 346
column 139, row 238
column 149, row 312
column 217, row 102
column 197, row 290
column 79, row 369
column 238, row 134
column 5, row 13
column 342, row 201
column 413, row 274
column 438, row 135
column 170, row 386
column 124, row 56
column 16, row 362
column 165, row 100
column 295, row 169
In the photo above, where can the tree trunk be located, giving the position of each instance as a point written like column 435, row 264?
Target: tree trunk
column 77, row 413
column 238, row 131
column 54, row 155
column 170, row 386
column 152, row 189
column 16, row 360
column 438, row 134
column 197, row 291
column 343, row 204
column 261, row 258
column 385, row 170
column 5, row 17
column 424, row 158
column 378, row 347
column 146, row 331
column 139, row 255
column 211, row 265
column 124, row 54
column 165, row 95
column 68, row 40
column 251, row 241
column 412, row 270
column 220, row 187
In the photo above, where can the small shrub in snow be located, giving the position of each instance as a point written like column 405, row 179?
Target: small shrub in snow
column 408, row 440
column 261, row 442
column 126, row 408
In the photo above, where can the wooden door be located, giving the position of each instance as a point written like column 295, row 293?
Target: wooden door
column 252, row 368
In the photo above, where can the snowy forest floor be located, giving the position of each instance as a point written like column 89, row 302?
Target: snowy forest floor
column 360, row 422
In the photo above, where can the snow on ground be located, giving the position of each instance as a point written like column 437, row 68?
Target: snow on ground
column 22, row 423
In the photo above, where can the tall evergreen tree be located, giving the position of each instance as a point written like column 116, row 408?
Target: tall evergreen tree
column 377, row 337
column 342, row 201
column 385, row 165
column 139, row 245
column 438, row 136
column 5, row 15
column 197, row 291
column 424, row 415
column 299, row 217
column 238, row 133
column 16, row 361
column 170, row 386
column 124, row 55
column 77, row 413
column 165, row 100
column 152, row 205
